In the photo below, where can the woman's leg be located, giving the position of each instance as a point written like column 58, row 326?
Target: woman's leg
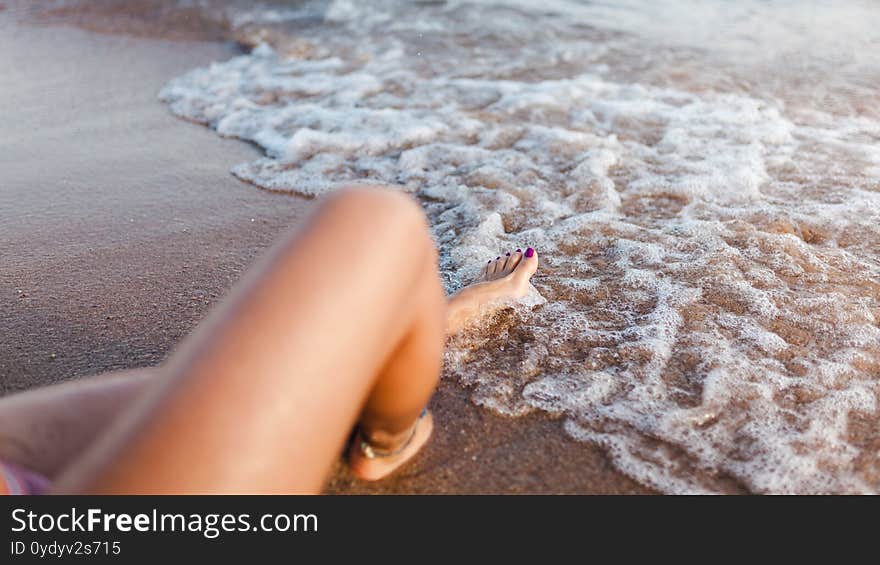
column 262, row 397
column 44, row 428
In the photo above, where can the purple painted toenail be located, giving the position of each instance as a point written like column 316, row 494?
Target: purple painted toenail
column 508, row 254
column 519, row 250
column 489, row 261
column 499, row 257
column 530, row 252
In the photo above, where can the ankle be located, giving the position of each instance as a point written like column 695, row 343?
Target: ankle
column 384, row 439
column 378, row 442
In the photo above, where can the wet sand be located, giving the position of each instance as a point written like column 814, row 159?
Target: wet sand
column 121, row 226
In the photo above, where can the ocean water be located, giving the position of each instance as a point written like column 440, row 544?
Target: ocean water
column 702, row 180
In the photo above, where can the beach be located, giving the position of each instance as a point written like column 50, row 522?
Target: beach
column 122, row 226
column 700, row 179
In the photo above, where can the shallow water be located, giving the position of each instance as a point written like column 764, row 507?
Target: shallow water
column 702, row 181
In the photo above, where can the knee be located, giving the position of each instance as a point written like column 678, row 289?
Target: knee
column 386, row 211
column 377, row 202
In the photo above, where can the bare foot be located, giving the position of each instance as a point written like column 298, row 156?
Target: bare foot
column 505, row 277
column 372, row 462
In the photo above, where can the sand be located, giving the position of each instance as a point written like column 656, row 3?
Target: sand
column 121, row 227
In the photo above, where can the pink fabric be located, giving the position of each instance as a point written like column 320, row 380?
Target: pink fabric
column 18, row 480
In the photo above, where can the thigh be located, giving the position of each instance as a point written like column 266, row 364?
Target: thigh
column 44, row 429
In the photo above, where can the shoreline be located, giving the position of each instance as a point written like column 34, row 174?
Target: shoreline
column 127, row 227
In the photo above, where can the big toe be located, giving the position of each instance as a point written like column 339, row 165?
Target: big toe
column 528, row 265
column 523, row 272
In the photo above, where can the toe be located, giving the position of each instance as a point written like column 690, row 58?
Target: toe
column 512, row 261
column 529, row 263
column 496, row 267
column 505, row 264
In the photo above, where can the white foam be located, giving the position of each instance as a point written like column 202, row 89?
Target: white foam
column 708, row 302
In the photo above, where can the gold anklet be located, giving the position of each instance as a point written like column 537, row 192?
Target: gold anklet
column 373, row 452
